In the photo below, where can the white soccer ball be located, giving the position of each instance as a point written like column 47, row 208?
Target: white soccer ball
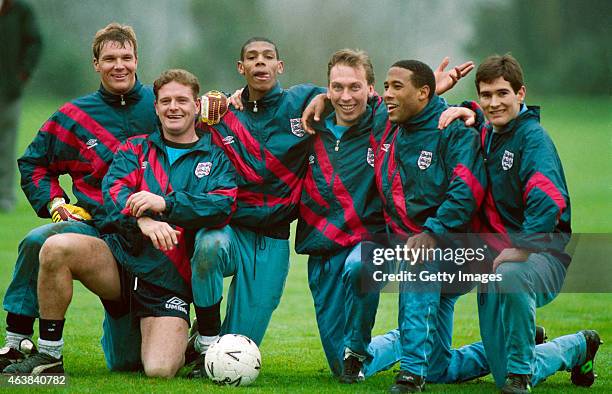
column 233, row 360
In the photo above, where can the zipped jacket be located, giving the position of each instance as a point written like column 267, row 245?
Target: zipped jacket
column 428, row 179
column 527, row 200
column 269, row 149
column 80, row 140
column 199, row 189
column 340, row 205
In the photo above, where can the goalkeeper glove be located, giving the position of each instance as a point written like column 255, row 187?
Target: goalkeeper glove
column 61, row 212
column 214, row 106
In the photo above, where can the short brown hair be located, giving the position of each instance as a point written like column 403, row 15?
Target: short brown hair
column 496, row 66
column 114, row 32
column 180, row 76
column 352, row 58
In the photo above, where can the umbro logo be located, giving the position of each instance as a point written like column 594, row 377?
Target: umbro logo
column 176, row 301
column 228, row 140
column 177, row 304
column 144, row 165
column 91, row 143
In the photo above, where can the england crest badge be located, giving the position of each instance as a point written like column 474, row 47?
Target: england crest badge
column 424, row 160
column 507, row 160
column 203, row 169
column 296, row 127
column 370, row 157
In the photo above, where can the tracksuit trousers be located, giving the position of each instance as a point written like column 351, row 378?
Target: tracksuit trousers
column 258, row 266
column 507, row 313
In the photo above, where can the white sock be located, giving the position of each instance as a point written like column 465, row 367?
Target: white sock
column 53, row 348
column 203, row 342
column 13, row 339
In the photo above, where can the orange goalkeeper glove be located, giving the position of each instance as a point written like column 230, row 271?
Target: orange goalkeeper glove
column 213, row 107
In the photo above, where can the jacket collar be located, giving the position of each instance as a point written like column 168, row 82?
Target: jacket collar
column 429, row 114
column 269, row 99
column 128, row 98
column 203, row 143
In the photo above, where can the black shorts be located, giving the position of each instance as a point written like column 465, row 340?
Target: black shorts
column 145, row 299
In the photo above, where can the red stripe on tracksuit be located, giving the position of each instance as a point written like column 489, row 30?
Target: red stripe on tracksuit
column 272, row 163
column 71, row 166
column 470, row 180
column 393, row 226
column 257, row 199
column 397, row 191
column 373, row 142
column 310, row 186
column 500, row 239
column 326, row 228
column 378, row 172
column 474, row 106
column 285, row 175
column 87, row 122
column 179, row 256
column 378, row 162
column 493, row 217
column 129, row 179
column 241, row 166
column 225, row 192
column 243, row 134
column 483, row 135
column 233, row 192
column 92, row 192
column 543, row 183
column 39, row 174
column 158, row 170
column 70, row 139
column 324, row 163
column 344, row 197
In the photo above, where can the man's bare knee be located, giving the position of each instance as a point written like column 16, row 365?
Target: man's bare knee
column 155, row 369
column 55, row 252
column 164, row 340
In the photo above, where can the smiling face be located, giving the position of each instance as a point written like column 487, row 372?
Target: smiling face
column 348, row 92
column 499, row 101
column 402, row 98
column 176, row 108
column 117, row 65
column 260, row 67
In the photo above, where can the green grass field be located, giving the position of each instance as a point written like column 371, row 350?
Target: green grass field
column 293, row 359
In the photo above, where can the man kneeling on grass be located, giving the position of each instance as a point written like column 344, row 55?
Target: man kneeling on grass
column 158, row 191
